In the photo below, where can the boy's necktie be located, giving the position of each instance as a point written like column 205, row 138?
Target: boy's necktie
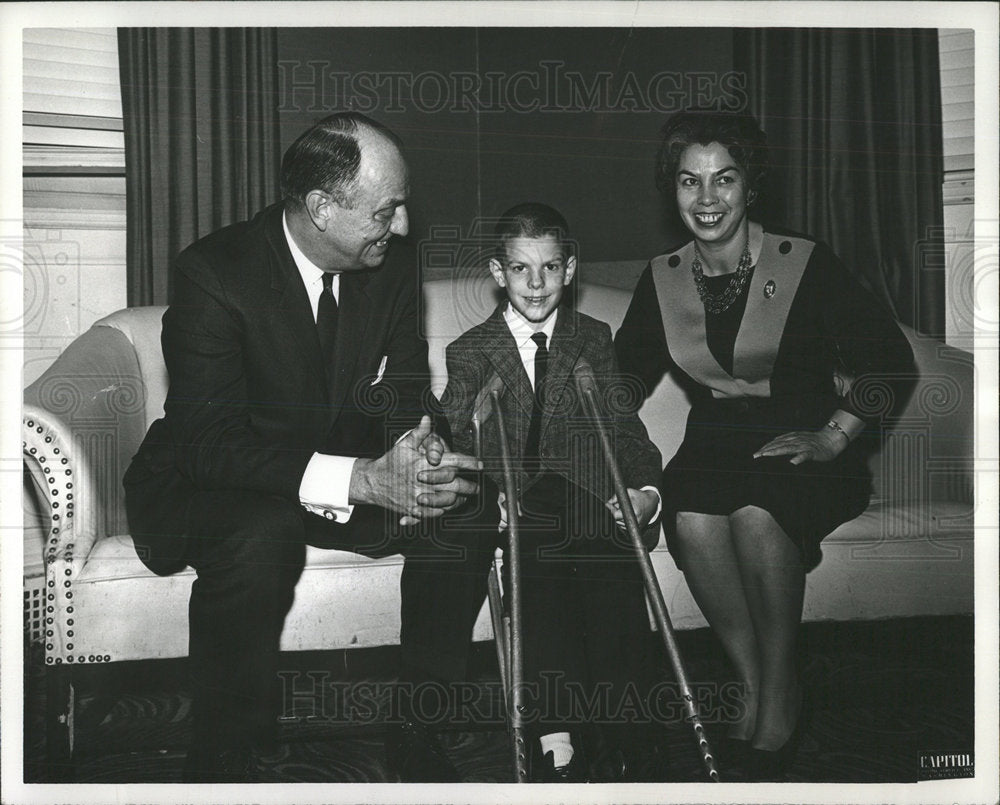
column 326, row 320
column 535, row 426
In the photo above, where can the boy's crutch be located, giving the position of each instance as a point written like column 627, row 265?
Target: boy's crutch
column 507, row 628
column 588, row 390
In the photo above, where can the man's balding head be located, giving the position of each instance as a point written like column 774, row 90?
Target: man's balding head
column 345, row 184
column 327, row 157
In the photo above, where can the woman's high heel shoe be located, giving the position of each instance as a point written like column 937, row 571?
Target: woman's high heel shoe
column 772, row 765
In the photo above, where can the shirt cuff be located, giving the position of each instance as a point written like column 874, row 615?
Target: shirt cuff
column 659, row 502
column 847, row 423
column 326, row 486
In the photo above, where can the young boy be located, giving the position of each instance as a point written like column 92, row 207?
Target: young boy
column 585, row 625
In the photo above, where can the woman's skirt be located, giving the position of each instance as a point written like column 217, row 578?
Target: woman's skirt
column 714, row 471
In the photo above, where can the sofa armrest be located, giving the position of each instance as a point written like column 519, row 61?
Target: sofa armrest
column 928, row 452
column 61, row 482
column 82, row 421
column 93, row 398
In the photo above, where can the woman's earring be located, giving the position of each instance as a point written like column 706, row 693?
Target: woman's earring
column 751, row 197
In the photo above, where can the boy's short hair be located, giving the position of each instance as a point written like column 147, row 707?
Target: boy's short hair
column 531, row 220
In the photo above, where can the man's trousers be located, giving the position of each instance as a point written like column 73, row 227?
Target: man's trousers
column 249, row 550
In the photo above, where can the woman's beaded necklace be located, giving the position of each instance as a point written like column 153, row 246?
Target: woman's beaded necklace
column 719, row 303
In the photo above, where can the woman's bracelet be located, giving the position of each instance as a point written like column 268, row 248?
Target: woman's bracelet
column 834, row 425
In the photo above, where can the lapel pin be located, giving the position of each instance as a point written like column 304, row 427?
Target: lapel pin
column 769, row 288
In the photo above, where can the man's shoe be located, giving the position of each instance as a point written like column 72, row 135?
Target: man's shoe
column 414, row 754
column 215, row 765
column 573, row 772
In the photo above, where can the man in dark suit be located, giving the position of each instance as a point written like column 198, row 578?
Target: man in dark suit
column 296, row 364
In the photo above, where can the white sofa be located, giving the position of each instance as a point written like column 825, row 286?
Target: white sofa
column 910, row 553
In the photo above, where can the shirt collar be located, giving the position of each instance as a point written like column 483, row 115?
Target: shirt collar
column 311, row 273
column 522, row 329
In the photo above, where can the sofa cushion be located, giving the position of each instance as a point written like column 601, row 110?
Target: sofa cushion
column 114, row 559
column 937, row 529
column 890, row 562
column 355, row 606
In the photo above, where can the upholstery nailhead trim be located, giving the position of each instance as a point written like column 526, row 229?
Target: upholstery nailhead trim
column 48, row 453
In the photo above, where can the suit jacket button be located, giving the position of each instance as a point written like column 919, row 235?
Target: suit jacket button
column 329, row 515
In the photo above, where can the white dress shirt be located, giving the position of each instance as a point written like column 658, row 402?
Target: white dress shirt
column 326, row 483
column 522, row 330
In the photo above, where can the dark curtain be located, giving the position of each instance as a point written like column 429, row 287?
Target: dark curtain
column 854, row 121
column 201, row 140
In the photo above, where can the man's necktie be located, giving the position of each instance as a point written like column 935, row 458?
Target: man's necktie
column 535, row 426
column 326, row 318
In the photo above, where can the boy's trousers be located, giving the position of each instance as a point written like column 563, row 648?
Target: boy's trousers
column 585, row 623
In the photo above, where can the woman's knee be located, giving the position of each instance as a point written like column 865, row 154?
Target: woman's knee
column 693, row 528
column 760, row 535
column 755, row 518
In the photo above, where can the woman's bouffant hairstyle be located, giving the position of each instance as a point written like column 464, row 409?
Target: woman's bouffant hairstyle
column 737, row 131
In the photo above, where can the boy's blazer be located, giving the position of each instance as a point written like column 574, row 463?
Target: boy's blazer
column 568, row 443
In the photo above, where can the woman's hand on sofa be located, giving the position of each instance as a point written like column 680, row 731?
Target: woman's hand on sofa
column 824, row 444
column 804, row 445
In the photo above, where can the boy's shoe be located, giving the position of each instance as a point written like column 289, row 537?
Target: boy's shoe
column 573, row 772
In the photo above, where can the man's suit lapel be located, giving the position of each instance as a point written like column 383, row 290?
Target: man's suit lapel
column 291, row 300
column 295, row 311
column 354, row 318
